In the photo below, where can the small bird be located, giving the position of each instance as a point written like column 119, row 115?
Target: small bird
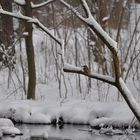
column 86, row 70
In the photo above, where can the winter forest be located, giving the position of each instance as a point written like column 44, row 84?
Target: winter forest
column 70, row 62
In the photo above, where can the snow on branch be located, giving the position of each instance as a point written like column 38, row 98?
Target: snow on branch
column 32, row 20
column 79, row 70
column 125, row 3
column 20, row 2
column 128, row 95
column 34, row 6
column 67, row 67
column 72, row 9
column 92, row 23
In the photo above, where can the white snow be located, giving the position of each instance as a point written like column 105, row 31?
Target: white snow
column 90, row 20
column 129, row 96
column 25, row 34
column 105, row 18
column 7, row 127
column 20, row 2
column 72, row 111
column 41, row 4
column 71, row 67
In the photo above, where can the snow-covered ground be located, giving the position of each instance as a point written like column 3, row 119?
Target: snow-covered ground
column 96, row 114
column 72, row 111
column 7, row 128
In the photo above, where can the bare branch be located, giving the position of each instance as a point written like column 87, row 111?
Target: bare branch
column 73, row 10
column 131, row 65
column 128, row 96
column 131, row 41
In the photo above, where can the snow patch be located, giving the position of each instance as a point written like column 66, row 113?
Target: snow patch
column 7, row 127
column 75, row 111
column 20, row 2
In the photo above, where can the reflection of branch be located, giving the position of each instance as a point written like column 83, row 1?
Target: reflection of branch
column 79, row 70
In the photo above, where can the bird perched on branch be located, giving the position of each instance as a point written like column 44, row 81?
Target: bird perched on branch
column 86, row 70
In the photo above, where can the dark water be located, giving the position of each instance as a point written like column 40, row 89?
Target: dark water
column 67, row 132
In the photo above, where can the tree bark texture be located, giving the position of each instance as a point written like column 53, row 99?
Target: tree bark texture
column 30, row 53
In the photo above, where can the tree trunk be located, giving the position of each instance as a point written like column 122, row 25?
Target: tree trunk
column 130, row 100
column 30, row 53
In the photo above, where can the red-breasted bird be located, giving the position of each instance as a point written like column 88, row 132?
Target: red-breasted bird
column 86, row 70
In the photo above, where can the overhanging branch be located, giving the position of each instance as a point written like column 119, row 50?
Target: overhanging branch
column 32, row 20
column 79, row 70
column 67, row 67
column 92, row 23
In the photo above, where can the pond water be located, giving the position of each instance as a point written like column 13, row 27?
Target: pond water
column 67, row 132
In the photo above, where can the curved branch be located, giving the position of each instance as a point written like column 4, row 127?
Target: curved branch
column 86, row 9
column 131, row 101
column 35, row 6
column 92, row 23
column 32, row 20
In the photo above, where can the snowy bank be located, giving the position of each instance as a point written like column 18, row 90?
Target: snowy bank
column 8, row 128
column 99, row 114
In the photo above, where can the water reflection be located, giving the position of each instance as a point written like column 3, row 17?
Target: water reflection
column 67, row 132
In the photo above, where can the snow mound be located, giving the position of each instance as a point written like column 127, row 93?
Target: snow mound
column 7, row 127
column 101, row 114
column 39, row 118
